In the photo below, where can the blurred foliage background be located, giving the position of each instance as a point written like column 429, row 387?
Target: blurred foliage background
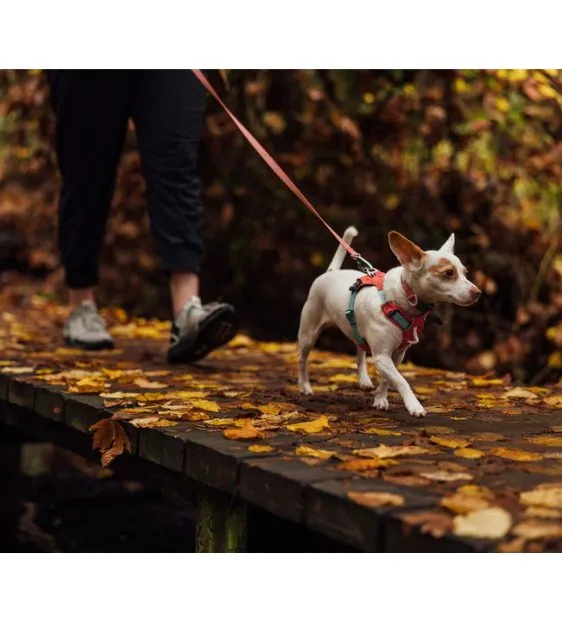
column 426, row 152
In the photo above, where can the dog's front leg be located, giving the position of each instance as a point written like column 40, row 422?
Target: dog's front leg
column 364, row 381
column 389, row 373
column 381, row 393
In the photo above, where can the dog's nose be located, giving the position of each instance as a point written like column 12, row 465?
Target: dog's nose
column 475, row 293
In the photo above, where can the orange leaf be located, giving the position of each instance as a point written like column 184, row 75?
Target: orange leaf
column 376, row 499
column 110, row 438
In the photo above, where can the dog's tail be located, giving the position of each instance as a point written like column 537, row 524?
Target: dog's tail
column 339, row 256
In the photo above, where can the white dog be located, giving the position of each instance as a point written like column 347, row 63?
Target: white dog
column 384, row 321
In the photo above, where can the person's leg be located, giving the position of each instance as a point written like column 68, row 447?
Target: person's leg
column 168, row 112
column 91, row 120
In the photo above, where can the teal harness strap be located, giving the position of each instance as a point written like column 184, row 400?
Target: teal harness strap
column 396, row 316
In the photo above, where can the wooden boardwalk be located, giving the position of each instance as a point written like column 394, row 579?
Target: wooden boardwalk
column 481, row 472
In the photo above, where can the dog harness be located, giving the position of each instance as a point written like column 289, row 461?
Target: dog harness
column 410, row 325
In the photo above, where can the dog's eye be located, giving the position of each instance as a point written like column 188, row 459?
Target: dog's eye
column 449, row 273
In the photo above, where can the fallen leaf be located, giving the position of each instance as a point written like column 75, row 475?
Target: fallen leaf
column 220, row 422
column 343, row 378
column 445, row 475
column 543, row 512
column 260, row 448
column 517, row 545
column 544, row 495
column 434, row 523
column 144, row 383
column 449, row 442
column 439, row 430
column 314, row 426
column 546, row 440
column 307, row 451
column 519, row 392
column 491, row 522
column 553, row 401
column 246, row 433
column 516, row 454
column 383, row 451
column 405, row 479
column 461, row 503
column 152, row 421
column 535, row 530
column 17, row 370
column 359, row 465
column 375, row 431
column 487, row 382
column 206, row 405
column 376, row 499
column 110, row 438
column 469, row 453
column 487, row 437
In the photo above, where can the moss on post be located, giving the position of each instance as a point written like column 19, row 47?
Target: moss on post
column 221, row 523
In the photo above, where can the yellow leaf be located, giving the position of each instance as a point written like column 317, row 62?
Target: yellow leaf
column 460, row 503
column 314, row 426
column 151, row 421
column 477, row 491
column 544, row 495
column 546, row 440
column 206, row 405
column 241, row 341
column 469, row 453
column 516, row 455
column 307, row 451
column 360, row 465
column 343, row 378
column 450, row 442
column 383, row 451
column 260, row 448
column 486, row 382
column 221, row 422
column 336, row 363
column 424, row 390
column 246, row 433
column 492, row 522
column 376, row 499
column 553, row 401
column 445, row 475
column 375, row 431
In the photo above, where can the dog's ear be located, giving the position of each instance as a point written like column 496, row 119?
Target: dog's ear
column 408, row 253
column 448, row 246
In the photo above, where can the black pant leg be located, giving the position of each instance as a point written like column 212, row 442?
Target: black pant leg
column 91, row 109
column 168, row 110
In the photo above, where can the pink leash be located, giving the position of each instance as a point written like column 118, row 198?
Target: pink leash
column 361, row 263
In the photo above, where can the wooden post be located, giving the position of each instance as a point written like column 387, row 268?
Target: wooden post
column 221, row 523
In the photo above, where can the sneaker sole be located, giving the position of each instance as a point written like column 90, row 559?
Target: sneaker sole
column 85, row 345
column 216, row 331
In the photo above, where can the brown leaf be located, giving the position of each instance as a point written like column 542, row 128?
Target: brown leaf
column 553, row 401
column 359, row 465
column 110, row 438
column 144, row 383
column 445, row 475
column 433, row 523
column 405, row 479
column 546, row 440
column 376, row 499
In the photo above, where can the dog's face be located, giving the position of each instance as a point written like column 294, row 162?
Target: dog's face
column 437, row 275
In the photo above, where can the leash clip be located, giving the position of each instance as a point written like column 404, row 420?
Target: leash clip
column 364, row 265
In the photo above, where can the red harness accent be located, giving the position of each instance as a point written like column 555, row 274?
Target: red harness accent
column 395, row 313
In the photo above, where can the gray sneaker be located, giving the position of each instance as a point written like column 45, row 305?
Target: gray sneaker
column 85, row 328
column 198, row 330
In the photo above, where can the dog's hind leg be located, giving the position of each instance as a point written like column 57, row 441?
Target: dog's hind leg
column 364, row 381
column 310, row 328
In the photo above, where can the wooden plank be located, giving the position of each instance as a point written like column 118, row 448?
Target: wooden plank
column 4, row 386
column 49, row 403
column 278, row 484
column 21, row 393
column 81, row 411
column 221, row 523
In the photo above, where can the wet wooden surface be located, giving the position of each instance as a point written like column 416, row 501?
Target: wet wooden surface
column 470, row 476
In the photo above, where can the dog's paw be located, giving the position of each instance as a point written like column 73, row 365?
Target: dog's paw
column 306, row 389
column 366, row 384
column 416, row 410
column 381, row 403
